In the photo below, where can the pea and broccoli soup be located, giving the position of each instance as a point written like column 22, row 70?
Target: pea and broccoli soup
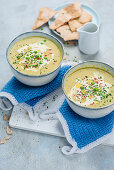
column 90, row 87
column 35, row 55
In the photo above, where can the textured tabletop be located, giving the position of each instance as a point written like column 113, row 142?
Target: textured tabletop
column 32, row 151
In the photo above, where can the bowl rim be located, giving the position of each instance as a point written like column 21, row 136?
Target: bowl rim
column 63, row 82
column 39, row 32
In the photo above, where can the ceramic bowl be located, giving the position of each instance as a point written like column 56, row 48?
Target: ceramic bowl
column 37, row 80
column 86, row 111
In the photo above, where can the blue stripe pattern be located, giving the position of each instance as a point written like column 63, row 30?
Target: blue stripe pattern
column 85, row 131
column 24, row 93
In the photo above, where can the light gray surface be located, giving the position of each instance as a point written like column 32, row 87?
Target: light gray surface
column 33, row 151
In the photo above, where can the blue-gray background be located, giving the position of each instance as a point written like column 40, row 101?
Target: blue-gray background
column 33, row 151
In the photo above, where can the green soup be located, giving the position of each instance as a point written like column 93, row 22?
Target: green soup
column 35, row 55
column 90, row 87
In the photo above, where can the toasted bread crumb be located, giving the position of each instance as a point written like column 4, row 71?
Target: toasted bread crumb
column 8, row 130
column 2, row 141
column 71, row 43
column 27, row 113
column 64, row 58
column 5, row 117
column 9, row 118
column 8, row 137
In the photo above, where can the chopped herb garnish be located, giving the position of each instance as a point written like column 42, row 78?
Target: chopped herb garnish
column 35, row 65
column 21, row 54
column 27, row 58
column 18, row 57
column 40, row 62
column 46, row 58
column 37, row 56
column 74, row 60
column 95, row 89
column 106, row 95
column 82, row 87
column 35, row 52
column 92, row 83
column 67, row 53
column 14, row 62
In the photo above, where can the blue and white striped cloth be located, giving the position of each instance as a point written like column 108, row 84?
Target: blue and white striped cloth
column 80, row 132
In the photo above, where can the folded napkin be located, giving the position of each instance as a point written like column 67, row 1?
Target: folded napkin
column 28, row 96
column 83, row 133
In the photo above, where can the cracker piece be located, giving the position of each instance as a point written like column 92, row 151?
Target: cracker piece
column 74, row 24
column 8, row 130
column 44, row 16
column 27, row 113
column 5, row 117
column 70, row 12
column 2, row 141
column 8, row 137
column 64, row 58
column 85, row 17
column 66, row 33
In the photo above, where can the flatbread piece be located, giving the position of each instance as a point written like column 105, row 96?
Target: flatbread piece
column 74, row 24
column 70, row 12
column 85, row 17
column 44, row 16
column 66, row 33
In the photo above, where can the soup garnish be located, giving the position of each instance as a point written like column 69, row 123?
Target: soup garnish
column 35, row 55
column 92, row 90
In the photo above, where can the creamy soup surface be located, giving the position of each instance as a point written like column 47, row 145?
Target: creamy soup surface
column 90, row 87
column 35, row 55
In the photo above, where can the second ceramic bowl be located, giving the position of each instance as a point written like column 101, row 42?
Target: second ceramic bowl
column 86, row 111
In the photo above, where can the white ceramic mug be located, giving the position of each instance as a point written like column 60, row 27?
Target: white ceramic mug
column 89, row 38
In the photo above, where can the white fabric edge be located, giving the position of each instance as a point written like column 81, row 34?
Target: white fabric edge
column 23, row 105
column 30, row 111
column 5, row 102
column 10, row 97
column 66, row 149
column 67, row 135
